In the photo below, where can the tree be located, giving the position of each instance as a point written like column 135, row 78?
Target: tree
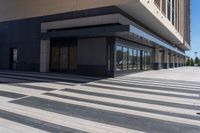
column 197, row 60
column 192, row 62
column 188, row 62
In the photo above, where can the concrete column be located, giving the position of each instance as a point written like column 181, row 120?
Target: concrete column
column 157, row 59
column 44, row 55
column 166, row 59
column 171, row 60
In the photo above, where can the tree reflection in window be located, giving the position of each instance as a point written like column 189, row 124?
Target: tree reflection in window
column 119, row 58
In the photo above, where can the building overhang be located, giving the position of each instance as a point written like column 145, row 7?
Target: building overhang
column 123, row 31
column 146, row 12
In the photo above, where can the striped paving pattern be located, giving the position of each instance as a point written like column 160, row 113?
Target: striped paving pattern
column 56, row 103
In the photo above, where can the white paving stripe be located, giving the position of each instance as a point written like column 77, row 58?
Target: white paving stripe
column 139, row 95
column 126, row 111
column 130, row 103
column 150, row 85
column 7, row 126
column 63, row 120
column 20, row 90
column 5, row 99
column 8, row 130
column 148, row 90
column 150, row 80
column 170, row 85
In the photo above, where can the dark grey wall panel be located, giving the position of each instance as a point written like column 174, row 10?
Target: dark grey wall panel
column 92, row 51
column 92, row 56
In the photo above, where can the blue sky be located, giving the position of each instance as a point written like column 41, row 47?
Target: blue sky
column 195, row 28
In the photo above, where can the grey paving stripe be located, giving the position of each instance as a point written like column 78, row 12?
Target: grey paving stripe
column 192, row 117
column 46, row 78
column 153, row 87
column 24, row 79
column 108, row 117
column 33, row 87
column 2, row 82
column 66, row 75
column 145, row 92
column 11, row 94
column 170, row 104
column 35, row 123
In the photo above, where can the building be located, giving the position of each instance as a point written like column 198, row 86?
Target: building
column 93, row 37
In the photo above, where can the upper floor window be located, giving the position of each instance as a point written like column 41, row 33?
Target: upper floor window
column 169, row 9
column 173, row 12
column 157, row 2
column 164, row 6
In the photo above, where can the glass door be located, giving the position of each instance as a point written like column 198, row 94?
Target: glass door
column 72, row 58
column 55, row 58
column 64, row 59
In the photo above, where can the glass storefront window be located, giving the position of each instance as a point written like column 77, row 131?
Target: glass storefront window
column 130, row 59
column 138, row 59
column 149, row 60
column 146, row 60
column 135, row 59
column 169, row 9
column 119, row 58
column 143, row 60
column 125, row 58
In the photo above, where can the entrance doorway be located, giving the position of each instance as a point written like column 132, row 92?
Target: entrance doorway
column 13, row 58
column 63, row 57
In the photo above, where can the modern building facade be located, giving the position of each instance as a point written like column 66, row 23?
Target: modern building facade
column 93, row 37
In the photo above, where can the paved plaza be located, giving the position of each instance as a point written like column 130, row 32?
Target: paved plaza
column 164, row 101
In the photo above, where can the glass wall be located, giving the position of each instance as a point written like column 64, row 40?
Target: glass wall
column 139, row 59
column 128, row 58
column 125, row 58
column 173, row 12
column 135, row 59
column 119, row 58
column 169, row 9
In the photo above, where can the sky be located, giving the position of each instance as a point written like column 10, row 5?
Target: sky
column 195, row 28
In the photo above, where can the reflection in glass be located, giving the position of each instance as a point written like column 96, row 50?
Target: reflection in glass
column 135, row 59
column 130, row 59
column 138, row 59
column 119, row 57
column 143, row 60
column 125, row 58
